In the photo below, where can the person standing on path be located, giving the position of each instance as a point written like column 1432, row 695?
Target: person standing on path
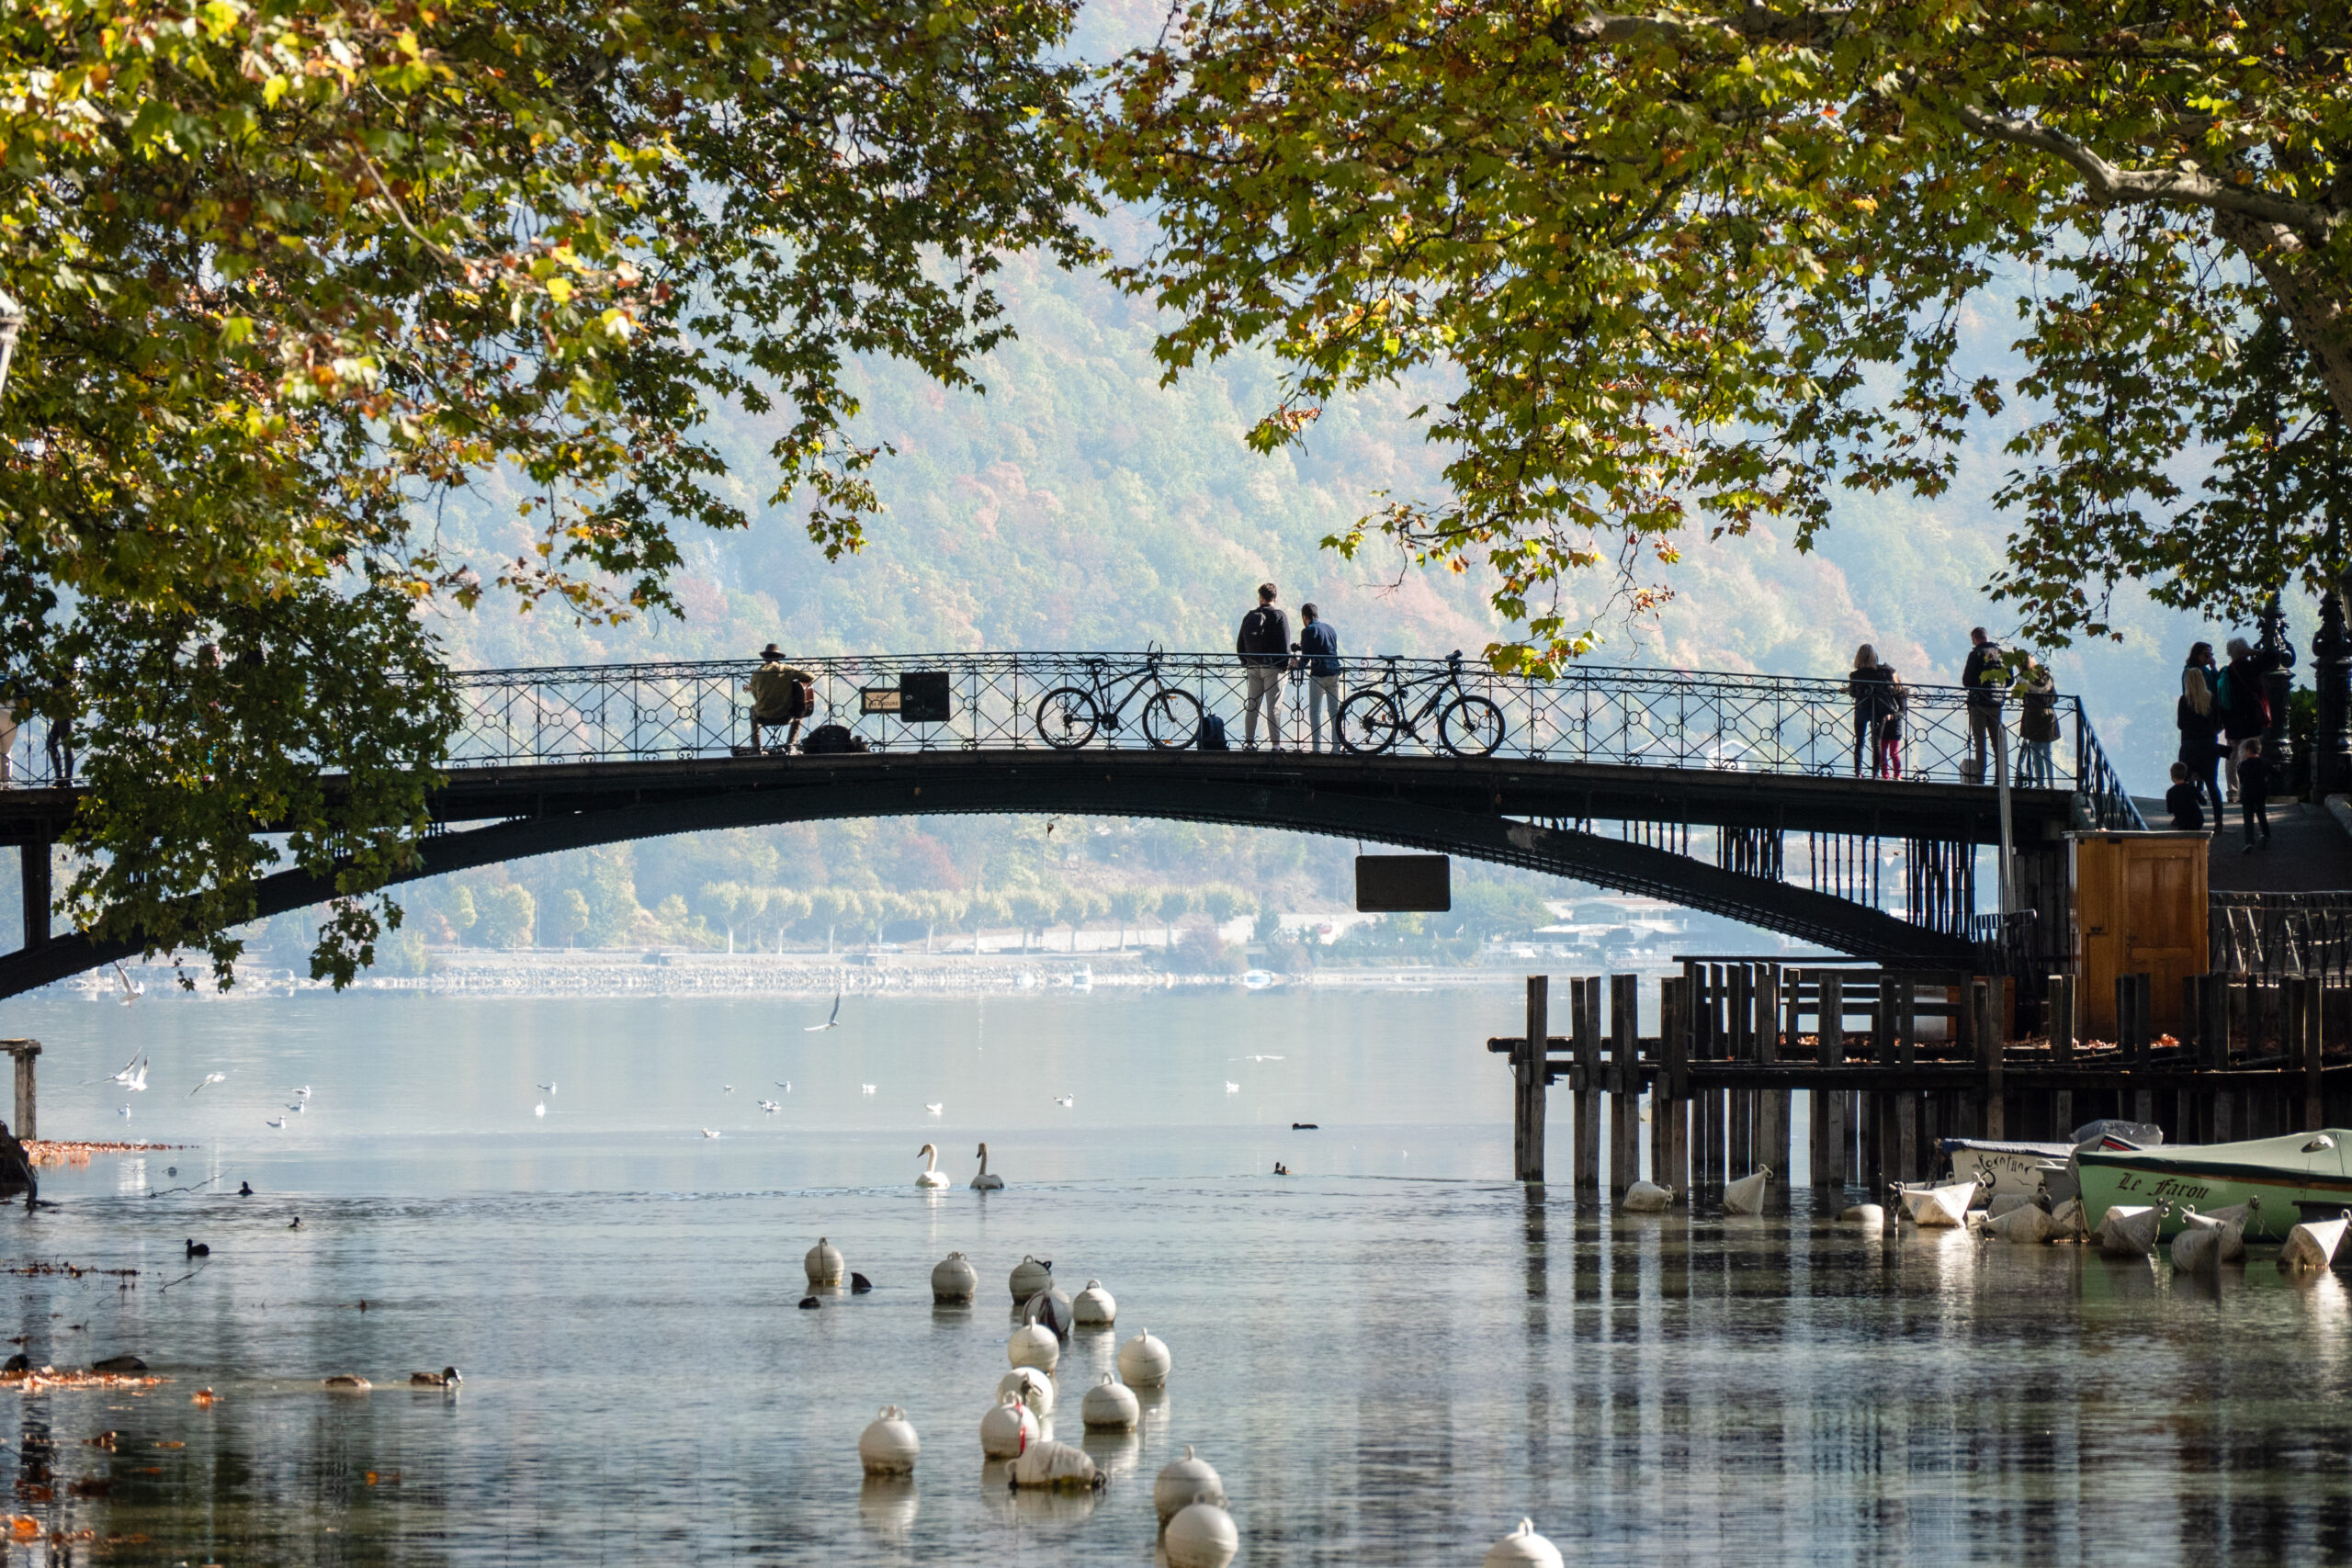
column 1264, row 644
column 2187, row 808
column 1987, row 679
column 2197, row 716
column 1318, row 661
column 2254, row 794
column 2037, row 726
column 2245, row 708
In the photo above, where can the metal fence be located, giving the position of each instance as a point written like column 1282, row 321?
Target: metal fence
column 2281, row 936
column 1660, row 719
column 1656, row 718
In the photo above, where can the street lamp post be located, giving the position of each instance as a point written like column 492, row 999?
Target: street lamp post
column 2332, row 683
column 12, row 322
column 2277, row 685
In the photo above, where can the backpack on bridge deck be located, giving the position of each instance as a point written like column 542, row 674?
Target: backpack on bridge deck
column 831, row 738
column 1211, row 735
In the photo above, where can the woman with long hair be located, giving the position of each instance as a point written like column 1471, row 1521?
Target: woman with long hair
column 2200, row 717
column 1877, row 713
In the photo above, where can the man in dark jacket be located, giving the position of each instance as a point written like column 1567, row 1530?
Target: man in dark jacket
column 1264, row 646
column 2245, row 708
column 1318, row 660
column 1987, row 679
column 2253, row 794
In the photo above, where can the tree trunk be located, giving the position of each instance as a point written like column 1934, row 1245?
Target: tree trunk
column 2313, row 308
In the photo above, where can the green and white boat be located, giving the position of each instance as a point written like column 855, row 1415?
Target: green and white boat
column 2285, row 1174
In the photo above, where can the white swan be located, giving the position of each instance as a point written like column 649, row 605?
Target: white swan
column 930, row 1176
column 985, row 1183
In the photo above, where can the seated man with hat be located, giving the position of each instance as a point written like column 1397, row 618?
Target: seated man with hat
column 780, row 695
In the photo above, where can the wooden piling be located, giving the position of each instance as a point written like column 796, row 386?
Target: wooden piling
column 1624, row 1083
column 1671, row 1089
column 1585, row 1011
column 1771, row 1104
column 2064, row 1019
column 2315, row 1085
column 1527, row 1070
column 1828, row 1124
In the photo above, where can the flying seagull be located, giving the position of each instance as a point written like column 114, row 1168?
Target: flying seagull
column 209, row 1079
column 131, row 991
column 832, row 1022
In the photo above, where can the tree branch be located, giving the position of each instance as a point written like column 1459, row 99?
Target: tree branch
column 2137, row 186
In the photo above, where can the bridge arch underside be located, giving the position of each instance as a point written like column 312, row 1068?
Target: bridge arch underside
column 1478, row 810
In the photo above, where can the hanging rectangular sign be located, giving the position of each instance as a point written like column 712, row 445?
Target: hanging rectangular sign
column 1391, row 884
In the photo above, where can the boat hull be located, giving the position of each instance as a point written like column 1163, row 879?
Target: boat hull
column 2281, row 1172
column 2010, row 1167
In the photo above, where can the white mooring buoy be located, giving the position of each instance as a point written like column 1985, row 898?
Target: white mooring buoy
column 1183, row 1482
column 888, row 1445
column 953, row 1281
column 1521, row 1547
column 1144, row 1363
column 824, row 1263
column 1201, row 1535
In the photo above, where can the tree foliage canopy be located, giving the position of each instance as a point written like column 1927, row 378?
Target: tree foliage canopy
column 295, row 270
column 1707, row 266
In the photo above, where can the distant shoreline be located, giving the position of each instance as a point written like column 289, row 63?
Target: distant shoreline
column 614, row 974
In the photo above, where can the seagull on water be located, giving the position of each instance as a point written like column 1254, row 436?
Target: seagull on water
column 832, row 1022
column 1064, row 1101
column 865, row 1089
column 727, row 1088
column 540, row 1109
column 209, row 1079
column 278, row 1120
column 303, row 1093
column 934, row 1107
column 548, row 1088
column 710, row 1132
column 782, row 1085
column 1232, row 1087
column 295, row 1106
column 125, row 1111
column 770, row 1106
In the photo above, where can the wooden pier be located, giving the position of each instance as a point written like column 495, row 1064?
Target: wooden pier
column 1894, row 1060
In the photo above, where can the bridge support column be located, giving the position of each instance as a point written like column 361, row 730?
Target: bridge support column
column 1624, row 1084
column 1584, row 1009
column 34, row 863
column 24, row 1051
column 1528, row 1067
column 2062, row 1025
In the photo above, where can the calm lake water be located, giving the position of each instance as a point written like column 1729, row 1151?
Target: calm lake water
column 1390, row 1356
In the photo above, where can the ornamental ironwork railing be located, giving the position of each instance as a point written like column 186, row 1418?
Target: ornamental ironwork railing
column 1653, row 718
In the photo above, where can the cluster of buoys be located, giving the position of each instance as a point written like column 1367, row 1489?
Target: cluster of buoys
column 2204, row 1242
column 1196, row 1531
column 1745, row 1196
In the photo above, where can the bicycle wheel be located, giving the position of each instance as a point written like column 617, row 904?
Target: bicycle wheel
column 1172, row 719
column 1369, row 723
column 1066, row 718
column 1471, row 727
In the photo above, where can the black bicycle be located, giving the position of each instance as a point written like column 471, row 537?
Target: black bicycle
column 1373, row 719
column 1068, row 716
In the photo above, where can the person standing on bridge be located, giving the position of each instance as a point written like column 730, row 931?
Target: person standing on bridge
column 1871, row 685
column 2037, row 726
column 1318, row 661
column 1264, row 644
column 1986, row 676
column 2197, row 716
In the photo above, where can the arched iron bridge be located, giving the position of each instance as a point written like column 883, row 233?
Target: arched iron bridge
column 1601, row 775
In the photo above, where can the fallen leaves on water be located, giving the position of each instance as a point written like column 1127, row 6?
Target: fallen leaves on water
column 207, row 1394
column 204, row 1397
column 78, row 1151
column 49, row 1377
column 103, row 1440
column 34, row 1492
column 388, row 1478
column 23, row 1527
column 91, row 1486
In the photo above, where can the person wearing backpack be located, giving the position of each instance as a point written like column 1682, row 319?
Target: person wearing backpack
column 781, row 695
column 2245, row 706
column 1986, row 677
column 1318, row 662
column 1264, row 644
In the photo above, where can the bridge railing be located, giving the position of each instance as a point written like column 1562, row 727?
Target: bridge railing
column 1663, row 719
